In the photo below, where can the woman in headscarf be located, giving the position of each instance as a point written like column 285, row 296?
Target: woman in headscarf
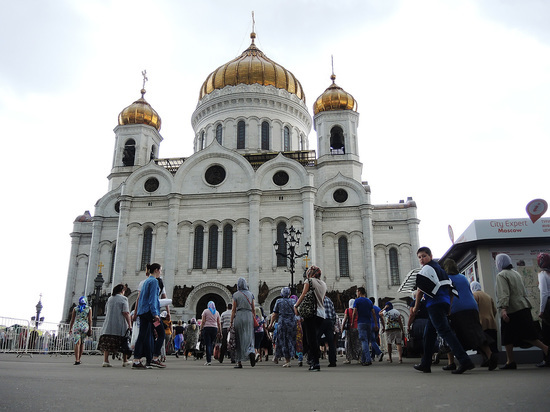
column 283, row 313
column 515, row 312
column 543, row 261
column 242, row 319
column 80, row 326
column 313, row 324
column 117, row 322
column 258, row 332
column 487, row 313
column 210, row 327
column 191, row 338
column 353, row 345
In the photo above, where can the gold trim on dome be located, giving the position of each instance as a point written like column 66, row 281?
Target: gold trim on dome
column 140, row 112
column 334, row 98
column 252, row 67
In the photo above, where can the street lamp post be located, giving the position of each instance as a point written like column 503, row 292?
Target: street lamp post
column 98, row 283
column 292, row 239
column 38, row 319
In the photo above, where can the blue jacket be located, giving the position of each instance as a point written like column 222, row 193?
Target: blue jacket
column 149, row 297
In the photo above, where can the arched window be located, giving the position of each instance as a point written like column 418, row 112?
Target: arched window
column 281, row 260
column 337, row 140
column 286, row 143
column 227, row 258
column 113, row 254
column 343, row 256
column 394, row 267
column 241, row 140
column 213, row 247
column 153, row 152
column 219, row 133
column 198, row 247
column 129, row 153
column 147, row 247
column 265, row 136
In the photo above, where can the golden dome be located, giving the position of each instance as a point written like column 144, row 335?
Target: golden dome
column 252, row 67
column 334, row 98
column 140, row 112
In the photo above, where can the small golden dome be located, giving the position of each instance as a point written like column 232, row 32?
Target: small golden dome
column 140, row 112
column 334, row 98
column 252, row 67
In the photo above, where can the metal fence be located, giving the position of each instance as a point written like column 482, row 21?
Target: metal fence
column 23, row 338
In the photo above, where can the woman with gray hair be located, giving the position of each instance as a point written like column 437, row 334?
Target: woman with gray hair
column 242, row 319
column 283, row 313
column 515, row 312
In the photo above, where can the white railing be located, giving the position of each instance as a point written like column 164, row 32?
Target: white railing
column 23, row 338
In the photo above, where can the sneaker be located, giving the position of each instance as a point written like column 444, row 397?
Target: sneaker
column 315, row 368
column 139, row 366
column 127, row 363
column 157, row 363
column 107, row 365
column 207, row 364
column 380, row 357
column 347, row 362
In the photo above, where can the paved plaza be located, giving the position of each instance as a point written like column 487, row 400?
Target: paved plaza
column 50, row 383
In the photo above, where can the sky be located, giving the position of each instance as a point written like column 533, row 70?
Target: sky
column 453, row 96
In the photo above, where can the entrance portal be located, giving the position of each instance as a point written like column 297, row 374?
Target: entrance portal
column 202, row 304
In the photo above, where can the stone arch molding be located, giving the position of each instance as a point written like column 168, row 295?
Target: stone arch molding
column 205, row 289
column 274, row 293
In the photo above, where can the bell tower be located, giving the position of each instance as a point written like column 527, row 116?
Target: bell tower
column 137, row 138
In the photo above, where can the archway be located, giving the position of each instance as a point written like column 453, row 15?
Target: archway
column 202, row 304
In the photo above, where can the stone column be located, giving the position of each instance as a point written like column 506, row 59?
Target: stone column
column 254, row 241
column 368, row 251
column 71, row 277
column 97, row 225
column 171, row 248
column 308, row 199
column 122, row 240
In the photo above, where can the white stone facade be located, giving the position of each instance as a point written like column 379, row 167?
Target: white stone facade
column 247, row 203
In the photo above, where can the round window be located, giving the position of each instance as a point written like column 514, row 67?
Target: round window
column 280, row 178
column 340, row 195
column 151, row 184
column 215, row 175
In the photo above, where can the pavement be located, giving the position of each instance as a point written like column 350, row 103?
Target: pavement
column 51, row 383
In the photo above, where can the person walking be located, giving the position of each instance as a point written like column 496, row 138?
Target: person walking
column 211, row 328
column 363, row 308
column 434, row 284
column 487, row 312
column 516, row 322
column 327, row 329
column 117, row 322
column 313, row 324
column 242, row 319
column 392, row 326
column 80, row 327
column 283, row 315
column 149, row 317
column 226, row 323
column 353, row 345
column 543, row 260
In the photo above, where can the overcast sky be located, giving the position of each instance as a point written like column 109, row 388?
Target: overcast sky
column 454, row 98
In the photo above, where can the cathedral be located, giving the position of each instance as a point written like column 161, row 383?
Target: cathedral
column 251, row 182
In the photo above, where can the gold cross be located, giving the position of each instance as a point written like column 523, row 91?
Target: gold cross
column 307, row 259
column 100, row 266
column 144, row 74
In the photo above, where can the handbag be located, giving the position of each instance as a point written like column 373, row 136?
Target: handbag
column 256, row 324
column 217, row 350
column 308, row 307
column 125, row 342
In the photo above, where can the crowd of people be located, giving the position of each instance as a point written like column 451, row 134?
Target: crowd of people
column 448, row 315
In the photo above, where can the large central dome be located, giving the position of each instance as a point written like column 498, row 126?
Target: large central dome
column 252, row 67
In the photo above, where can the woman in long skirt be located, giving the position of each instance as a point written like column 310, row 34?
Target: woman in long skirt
column 243, row 321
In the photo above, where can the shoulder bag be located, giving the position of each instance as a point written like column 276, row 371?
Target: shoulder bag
column 308, row 307
column 256, row 324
